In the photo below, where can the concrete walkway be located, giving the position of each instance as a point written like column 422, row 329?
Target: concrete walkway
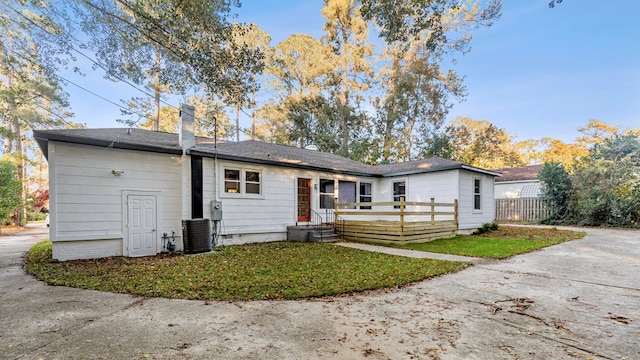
column 576, row 300
column 412, row 253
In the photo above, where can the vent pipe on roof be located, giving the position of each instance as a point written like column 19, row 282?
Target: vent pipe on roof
column 186, row 136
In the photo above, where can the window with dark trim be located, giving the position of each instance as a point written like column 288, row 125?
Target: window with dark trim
column 327, row 193
column 365, row 195
column 399, row 191
column 477, row 200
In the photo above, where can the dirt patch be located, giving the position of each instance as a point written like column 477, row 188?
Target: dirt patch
column 11, row 230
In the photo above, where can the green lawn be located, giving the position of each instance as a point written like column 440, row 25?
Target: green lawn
column 502, row 243
column 282, row 270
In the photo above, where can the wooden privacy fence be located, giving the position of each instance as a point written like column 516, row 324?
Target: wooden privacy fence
column 397, row 222
column 525, row 210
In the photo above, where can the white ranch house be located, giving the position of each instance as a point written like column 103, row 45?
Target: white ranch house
column 118, row 191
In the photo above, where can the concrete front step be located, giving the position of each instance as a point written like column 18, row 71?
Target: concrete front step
column 323, row 236
column 313, row 234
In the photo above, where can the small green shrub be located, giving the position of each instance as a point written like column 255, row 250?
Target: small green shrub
column 486, row 228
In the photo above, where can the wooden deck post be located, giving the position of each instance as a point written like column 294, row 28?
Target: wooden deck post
column 402, row 219
column 455, row 212
column 433, row 210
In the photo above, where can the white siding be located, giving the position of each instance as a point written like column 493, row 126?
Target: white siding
column 511, row 189
column 423, row 187
column 265, row 217
column 88, row 210
column 87, row 199
column 468, row 218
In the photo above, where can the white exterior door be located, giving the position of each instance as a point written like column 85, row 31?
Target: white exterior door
column 142, row 210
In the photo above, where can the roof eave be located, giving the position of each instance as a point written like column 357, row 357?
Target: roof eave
column 42, row 138
column 278, row 163
column 483, row 171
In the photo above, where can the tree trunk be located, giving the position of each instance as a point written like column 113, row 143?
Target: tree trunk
column 253, row 115
column 156, row 121
column 238, row 123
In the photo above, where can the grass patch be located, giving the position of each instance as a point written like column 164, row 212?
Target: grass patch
column 499, row 244
column 280, row 270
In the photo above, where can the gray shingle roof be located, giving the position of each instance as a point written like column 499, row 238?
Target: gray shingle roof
column 519, row 173
column 268, row 153
column 248, row 151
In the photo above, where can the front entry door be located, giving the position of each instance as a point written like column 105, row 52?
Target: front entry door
column 142, row 225
column 304, row 200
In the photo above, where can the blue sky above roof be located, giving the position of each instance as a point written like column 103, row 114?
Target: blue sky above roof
column 537, row 72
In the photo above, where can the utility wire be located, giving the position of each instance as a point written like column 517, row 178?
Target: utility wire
column 55, row 114
column 133, row 26
column 86, row 56
column 95, row 94
column 79, row 86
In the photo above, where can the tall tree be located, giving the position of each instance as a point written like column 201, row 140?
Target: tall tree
column 347, row 32
column 9, row 186
column 530, row 151
column 417, row 87
column 403, row 20
column 606, row 187
column 596, row 132
column 567, row 154
column 259, row 40
column 30, row 94
column 416, row 102
column 480, row 143
column 175, row 43
column 299, row 67
column 556, row 190
column 298, row 71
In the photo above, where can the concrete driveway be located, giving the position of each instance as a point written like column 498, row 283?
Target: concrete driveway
column 577, row 300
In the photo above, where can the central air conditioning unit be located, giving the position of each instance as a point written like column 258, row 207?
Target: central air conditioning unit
column 196, row 236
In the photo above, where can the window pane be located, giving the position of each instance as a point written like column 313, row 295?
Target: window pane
column 326, row 193
column 365, row 195
column 252, row 176
column 253, row 188
column 399, row 191
column 326, row 201
column 326, row 186
column 231, row 187
column 232, row 174
column 476, row 194
column 231, row 181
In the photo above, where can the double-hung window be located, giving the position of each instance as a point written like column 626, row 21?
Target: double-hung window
column 477, row 200
column 327, row 193
column 252, row 182
column 231, row 181
column 399, row 191
column 242, row 181
column 365, row 195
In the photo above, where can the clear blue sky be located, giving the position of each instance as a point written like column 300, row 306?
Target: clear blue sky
column 537, row 72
